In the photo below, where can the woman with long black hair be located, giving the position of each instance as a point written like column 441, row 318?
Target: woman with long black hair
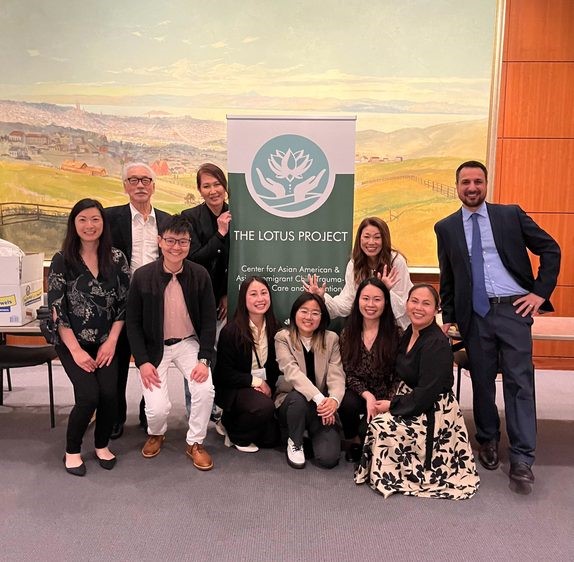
column 246, row 370
column 369, row 345
column 312, row 383
column 87, row 290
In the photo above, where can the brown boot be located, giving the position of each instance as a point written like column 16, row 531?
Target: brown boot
column 200, row 457
column 152, row 446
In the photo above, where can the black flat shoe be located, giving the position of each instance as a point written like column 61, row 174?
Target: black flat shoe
column 75, row 470
column 108, row 464
column 353, row 453
column 117, row 431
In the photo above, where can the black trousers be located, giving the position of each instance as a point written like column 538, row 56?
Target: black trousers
column 351, row 409
column 503, row 337
column 97, row 390
column 124, row 355
column 296, row 415
column 251, row 419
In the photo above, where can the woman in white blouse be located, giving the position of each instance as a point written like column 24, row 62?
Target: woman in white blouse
column 372, row 256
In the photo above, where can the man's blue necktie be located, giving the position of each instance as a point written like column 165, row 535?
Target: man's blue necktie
column 480, row 303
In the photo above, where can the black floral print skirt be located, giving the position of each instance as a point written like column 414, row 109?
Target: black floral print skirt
column 395, row 451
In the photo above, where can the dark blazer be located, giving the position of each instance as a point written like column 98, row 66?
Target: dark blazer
column 208, row 247
column 120, row 220
column 144, row 310
column 233, row 366
column 514, row 232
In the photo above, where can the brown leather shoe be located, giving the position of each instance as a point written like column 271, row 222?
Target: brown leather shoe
column 200, row 457
column 152, row 446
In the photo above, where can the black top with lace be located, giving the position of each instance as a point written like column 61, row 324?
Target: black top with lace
column 382, row 383
column 87, row 305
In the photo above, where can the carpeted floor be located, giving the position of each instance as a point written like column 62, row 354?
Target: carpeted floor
column 255, row 507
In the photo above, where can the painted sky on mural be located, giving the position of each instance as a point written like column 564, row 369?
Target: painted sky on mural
column 410, row 63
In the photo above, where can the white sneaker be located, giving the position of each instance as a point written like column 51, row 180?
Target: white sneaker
column 219, row 427
column 295, row 455
column 251, row 448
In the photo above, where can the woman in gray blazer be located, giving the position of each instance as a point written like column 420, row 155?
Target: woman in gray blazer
column 312, row 383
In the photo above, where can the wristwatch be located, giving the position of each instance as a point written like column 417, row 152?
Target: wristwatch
column 206, row 362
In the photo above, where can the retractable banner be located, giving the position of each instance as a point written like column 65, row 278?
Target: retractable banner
column 291, row 183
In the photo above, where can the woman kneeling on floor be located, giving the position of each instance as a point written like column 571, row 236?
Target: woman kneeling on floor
column 246, row 371
column 369, row 346
column 312, row 384
column 419, row 445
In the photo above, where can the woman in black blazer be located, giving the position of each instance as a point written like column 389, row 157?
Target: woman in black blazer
column 246, row 371
column 210, row 231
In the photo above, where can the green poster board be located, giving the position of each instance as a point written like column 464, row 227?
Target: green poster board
column 291, row 198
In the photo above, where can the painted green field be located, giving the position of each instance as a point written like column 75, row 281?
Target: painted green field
column 410, row 208
column 28, row 183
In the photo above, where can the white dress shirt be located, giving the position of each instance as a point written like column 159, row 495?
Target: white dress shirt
column 144, row 239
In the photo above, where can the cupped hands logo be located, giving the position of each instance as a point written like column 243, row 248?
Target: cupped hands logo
column 290, row 176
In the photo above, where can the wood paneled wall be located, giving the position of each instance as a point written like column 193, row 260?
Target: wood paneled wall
column 535, row 136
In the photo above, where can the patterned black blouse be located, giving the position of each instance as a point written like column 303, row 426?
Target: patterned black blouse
column 87, row 305
column 382, row 383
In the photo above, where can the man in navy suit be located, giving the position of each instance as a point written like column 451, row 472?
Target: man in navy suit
column 492, row 296
column 134, row 228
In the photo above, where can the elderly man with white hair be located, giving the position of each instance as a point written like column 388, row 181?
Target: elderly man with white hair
column 134, row 228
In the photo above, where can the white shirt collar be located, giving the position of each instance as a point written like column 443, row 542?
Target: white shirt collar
column 135, row 213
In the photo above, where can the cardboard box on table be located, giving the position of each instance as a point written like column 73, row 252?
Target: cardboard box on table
column 21, row 288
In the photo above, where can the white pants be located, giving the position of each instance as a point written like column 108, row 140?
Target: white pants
column 183, row 356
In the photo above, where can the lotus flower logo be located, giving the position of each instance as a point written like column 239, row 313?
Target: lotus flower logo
column 289, row 166
column 289, row 176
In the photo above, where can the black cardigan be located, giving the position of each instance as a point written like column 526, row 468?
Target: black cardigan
column 426, row 369
column 233, row 366
column 208, row 247
column 144, row 311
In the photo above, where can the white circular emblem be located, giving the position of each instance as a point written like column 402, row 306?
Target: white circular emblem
column 290, row 176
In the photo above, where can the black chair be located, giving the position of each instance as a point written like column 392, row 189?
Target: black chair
column 16, row 356
column 461, row 361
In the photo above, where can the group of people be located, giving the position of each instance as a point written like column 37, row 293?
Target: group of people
column 134, row 281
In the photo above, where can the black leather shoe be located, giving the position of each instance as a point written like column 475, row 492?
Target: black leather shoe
column 108, row 464
column 75, row 470
column 488, row 455
column 353, row 453
column 521, row 472
column 117, row 431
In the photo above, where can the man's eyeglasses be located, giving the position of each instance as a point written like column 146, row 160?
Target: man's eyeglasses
column 182, row 242
column 312, row 313
column 134, row 180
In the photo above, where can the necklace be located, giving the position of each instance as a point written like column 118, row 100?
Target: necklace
column 173, row 272
column 369, row 339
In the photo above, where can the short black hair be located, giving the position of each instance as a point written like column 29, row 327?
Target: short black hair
column 177, row 224
column 472, row 164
